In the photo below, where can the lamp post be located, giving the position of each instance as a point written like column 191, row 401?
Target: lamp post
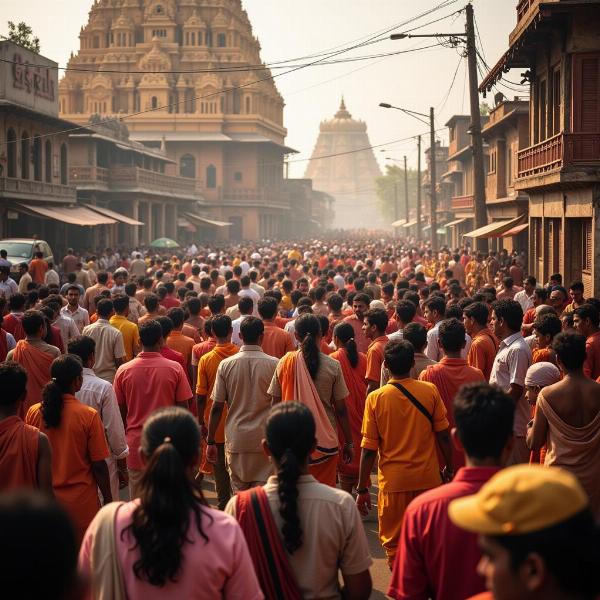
column 433, row 195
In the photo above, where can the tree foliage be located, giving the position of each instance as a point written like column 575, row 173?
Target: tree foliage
column 394, row 176
column 22, row 34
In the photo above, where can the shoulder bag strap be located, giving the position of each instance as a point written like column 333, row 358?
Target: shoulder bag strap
column 413, row 401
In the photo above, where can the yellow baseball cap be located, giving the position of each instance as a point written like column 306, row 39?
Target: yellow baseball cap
column 519, row 500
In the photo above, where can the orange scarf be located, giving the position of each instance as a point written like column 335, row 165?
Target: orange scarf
column 297, row 385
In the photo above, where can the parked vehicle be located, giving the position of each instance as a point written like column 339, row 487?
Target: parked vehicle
column 22, row 250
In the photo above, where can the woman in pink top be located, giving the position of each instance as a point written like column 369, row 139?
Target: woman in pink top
column 169, row 543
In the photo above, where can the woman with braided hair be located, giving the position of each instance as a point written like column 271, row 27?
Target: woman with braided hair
column 300, row 531
column 311, row 377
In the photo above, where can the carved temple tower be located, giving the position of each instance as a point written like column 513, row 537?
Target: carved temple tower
column 350, row 176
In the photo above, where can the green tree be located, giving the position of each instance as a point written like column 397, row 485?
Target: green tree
column 394, row 176
column 484, row 109
column 22, row 34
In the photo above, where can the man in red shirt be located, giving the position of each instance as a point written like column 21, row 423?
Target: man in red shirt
column 586, row 320
column 142, row 385
column 435, row 558
column 360, row 305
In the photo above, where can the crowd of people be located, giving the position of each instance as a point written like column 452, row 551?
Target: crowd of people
column 308, row 383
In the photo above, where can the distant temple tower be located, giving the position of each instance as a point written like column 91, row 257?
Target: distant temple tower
column 349, row 177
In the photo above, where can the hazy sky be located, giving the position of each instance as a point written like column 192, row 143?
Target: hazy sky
column 295, row 28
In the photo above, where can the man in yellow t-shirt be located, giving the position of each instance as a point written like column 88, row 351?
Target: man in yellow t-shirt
column 405, row 437
column 129, row 330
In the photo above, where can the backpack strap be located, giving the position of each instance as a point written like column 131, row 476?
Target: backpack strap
column 413, row 401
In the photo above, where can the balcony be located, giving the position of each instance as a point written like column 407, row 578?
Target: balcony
column 88, row 177
column 26, row 189
column 133, row 178
column 462, row 202
column 254, row 197
column 562, row 151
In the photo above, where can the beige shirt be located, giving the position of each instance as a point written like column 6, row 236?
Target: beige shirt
column 109, row 346
column 330, row 385
column 243, row 382
column 334, row 537
column 38, row 345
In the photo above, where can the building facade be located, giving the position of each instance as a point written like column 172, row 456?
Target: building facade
column 556, row 43
column 187, row 76
column 350, row 176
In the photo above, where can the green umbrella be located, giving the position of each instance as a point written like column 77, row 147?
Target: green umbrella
column 164, row 243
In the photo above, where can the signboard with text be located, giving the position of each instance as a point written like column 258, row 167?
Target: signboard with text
column 28, row 79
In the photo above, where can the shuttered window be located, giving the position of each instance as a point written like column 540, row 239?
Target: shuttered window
column 586, row 92
column 587, row 249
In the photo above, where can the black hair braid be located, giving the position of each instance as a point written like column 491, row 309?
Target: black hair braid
column 287, row 490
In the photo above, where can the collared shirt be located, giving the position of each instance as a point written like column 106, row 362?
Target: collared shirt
column 482, row 352
column 130, row 333
column 144, row 384
column 407, row 454
column 524, row 300
column 51, row 277
column 251, row 294
column 375, row 358
column 80, row 316
column 334, row 537
column 276, row 341
column 136, row 310
column 437, row 559
column 99, row 394
column 433, row 350
column 68, row 328
column 8, row 288
column 243, row 382
column 511, row 364
column 109, row 346
column 235, row 326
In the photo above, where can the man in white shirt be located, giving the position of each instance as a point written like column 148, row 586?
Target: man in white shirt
column 51, row 277
column 66, row 325
column 435, row 312
column 525, row 296
column 259, row 289
column 25, row 279
column 8, row 286
column 247, row 291
column 137, row 268
column 99, row 394
column 246, row 308
column 72, row 310
column 510, row 367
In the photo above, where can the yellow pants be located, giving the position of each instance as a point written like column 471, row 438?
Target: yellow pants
column 391, row 507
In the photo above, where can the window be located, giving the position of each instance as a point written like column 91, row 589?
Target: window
column 37, row 158
column 187, row 166
column 154, row 102
column 208, row 37
column 542, row 110
column 63, row 164
column 159, row 9
column 199, row 39
column 492, row 161
column 587, row 248
column 11, row 158
column 509, row 164
column 237, row 176
column 247, row 105
column 48, row 161
column 96, row 42
column 193, row 38
column 221, row 40
column 211, row 177
column 25, row 157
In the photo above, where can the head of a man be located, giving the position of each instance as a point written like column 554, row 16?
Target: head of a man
column 586, row 319
column 405, row 312
column 34, row 324
column 545, row 328
column 246, row 305
column 84, row 347
column 375, row 323
column 569, row 348
column 536, row 532
column 73, row 294
column 221, row 328
column 558, row 298
column 13, row 382
column 507, row 318
column 451, row 337
column 399, row 358
column 151, row 336
column 576, row 290
column 529, row 285
column 475, row 317
column 251, row 331
column 540, row 296
column 360, row 305
column 435, row 309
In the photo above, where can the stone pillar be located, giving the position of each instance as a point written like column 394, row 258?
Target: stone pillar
column 162, row 223
column 135, row 233
column 149, row 226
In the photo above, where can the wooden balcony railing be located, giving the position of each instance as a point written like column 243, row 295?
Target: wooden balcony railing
column 134, row 177
column 86, row 174
column 462, row 202
column 560, row 151
column 27, row 187
column 523, row 8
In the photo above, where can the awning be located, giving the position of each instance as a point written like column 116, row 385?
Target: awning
column 495, row 229
column 515, row 230
column 113, row 215
column 185, row 224
column 74, row 215
column 399, row 223
column 409, row 224
column 204, row 221
column 453, row 223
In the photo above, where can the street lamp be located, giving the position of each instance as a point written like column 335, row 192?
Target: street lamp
column 433, row 192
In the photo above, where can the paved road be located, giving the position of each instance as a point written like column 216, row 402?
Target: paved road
column 379, row 571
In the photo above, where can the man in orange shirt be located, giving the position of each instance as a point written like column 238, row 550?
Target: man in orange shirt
column 25, row 454
column 586, row 320
column 38, row 268
column 207, row 375
column 276, row 342
column 452, row 372
column 360, row 305
column 374, row 326
column 408, row 464
column 179, row 342
column 484, row 344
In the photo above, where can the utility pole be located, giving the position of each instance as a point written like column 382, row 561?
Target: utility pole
column 476, row 138
column 406, row 192
column 395, row 200
column 432, row 183
column 419, row 189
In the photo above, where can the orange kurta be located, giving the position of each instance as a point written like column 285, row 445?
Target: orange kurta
column 375, row 358
column 18, row 454
column 483, row 350
column 355, row 406
column 77, row 442
column 276, row 341
column 37, row 364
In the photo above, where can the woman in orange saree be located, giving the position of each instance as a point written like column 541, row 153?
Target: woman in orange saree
column 354, row 368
